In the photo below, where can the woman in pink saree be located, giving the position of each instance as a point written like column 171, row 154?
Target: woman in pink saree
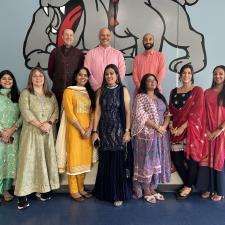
column 211, row 179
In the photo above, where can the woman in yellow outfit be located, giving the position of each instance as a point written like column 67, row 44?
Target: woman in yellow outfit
column 78, row 103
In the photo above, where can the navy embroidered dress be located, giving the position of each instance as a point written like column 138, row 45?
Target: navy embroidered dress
column 113, row 182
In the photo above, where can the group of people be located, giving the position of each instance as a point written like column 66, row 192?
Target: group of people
column 136, row 150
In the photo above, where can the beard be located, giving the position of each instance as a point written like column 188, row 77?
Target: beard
column 148, row 46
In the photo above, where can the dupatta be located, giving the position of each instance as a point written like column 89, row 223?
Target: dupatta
column 144, row 109
column 194, row 113
column 61, row 137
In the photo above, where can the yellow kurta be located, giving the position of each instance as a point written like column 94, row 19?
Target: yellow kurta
column 77, row 106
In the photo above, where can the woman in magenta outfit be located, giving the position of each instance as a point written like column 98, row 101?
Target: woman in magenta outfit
column 211, row 179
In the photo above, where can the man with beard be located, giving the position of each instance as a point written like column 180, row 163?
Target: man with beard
column 150, row 61
column 98, row 58
column 63, row 62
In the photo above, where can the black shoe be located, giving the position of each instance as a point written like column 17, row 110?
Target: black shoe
column 22, row 202
column 44, row 196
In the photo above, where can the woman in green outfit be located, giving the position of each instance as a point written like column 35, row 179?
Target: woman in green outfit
column 37, row 167
column 10, row 121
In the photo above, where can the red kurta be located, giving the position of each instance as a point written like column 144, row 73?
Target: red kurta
column 193, row 112
column 215, row 116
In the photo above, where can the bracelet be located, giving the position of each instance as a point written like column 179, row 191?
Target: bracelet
column 94, row 132
column 127, row 130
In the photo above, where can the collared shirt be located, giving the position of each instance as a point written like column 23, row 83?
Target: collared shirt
column 149, row 62
column 98, row 58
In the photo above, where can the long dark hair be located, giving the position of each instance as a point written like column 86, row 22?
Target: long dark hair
column 143, row 87
column 187, row 66
column 88, row 87
column 15, row 94
column 30, row 86
column 221, row 96
column 114, row 67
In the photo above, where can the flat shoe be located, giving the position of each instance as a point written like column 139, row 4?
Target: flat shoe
column 205, row 195
column 159, row 196
column 181, row 197
column 118, row 203
column 8, row 197
column 217, row 198
column 86, row 194
column 150, row 198
column 77, row 197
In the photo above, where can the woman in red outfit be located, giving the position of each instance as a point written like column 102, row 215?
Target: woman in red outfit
column 187, row 129
column 211, row 179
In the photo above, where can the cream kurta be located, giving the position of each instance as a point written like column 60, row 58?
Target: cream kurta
column 37, row 167
column 77, row 106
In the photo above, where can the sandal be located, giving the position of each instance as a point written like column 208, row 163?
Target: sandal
column 77, row 197
column 159, row 196
column 150, row 198
column 118, row 203
column 205, row 195
column 7, row 196
column 184, row 194
column 86, row 194
column 217, row 198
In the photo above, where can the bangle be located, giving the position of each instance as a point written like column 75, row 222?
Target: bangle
column 94, row 132
column 127, row 130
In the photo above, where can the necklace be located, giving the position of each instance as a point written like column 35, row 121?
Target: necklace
column 183, row 89
column 112, row 87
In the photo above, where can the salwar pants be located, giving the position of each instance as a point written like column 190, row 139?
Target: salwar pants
column 76, row 183
column 5, row 184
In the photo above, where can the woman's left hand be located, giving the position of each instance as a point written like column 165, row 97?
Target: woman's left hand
column 161, row 130
column 4, row 139
column 213, row 135
column 87, row 133
column 8, row 132
column 179, row 131
column 45, row 127
column 126, row 137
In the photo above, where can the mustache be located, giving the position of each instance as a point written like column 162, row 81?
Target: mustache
column 148, row 46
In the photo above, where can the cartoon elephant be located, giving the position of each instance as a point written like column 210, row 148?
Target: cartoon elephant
column 87, row 17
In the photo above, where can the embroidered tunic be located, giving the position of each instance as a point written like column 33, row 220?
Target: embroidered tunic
column 9, row 116
column 37, row 166
column 77, row 106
